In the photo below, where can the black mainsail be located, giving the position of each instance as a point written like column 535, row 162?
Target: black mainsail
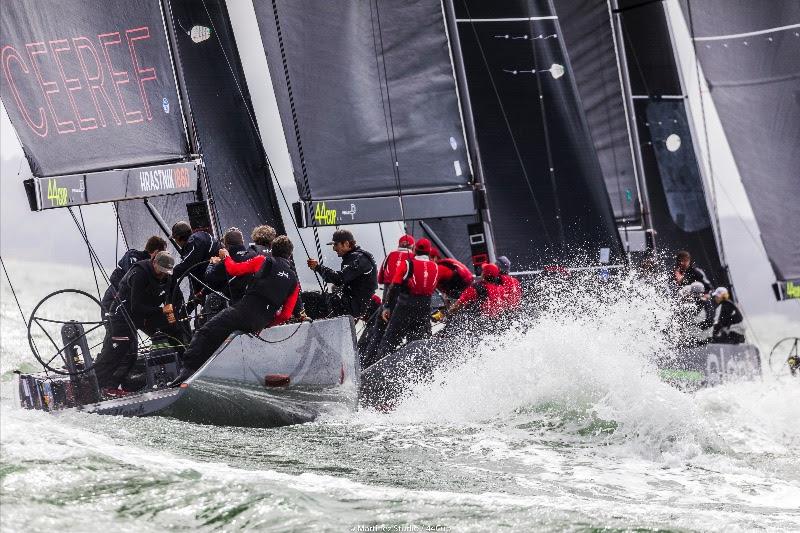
column 750, row 56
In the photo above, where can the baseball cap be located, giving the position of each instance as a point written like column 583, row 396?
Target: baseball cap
column 490, row 270
column 423, row 246
column 406, row 241
column 719, row 291
column 697, row 288
column 504, row 263
column 164, row 263
column 342, row 235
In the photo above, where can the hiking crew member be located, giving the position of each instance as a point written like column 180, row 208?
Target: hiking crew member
column 686, row 273
column 262, row 237
column 511, row 285
column 454, row 277
column 728, row 328
column 217, row 277
column 197, row 247
column 357, row 280
column 486, row 298
column 405, row 249
column 407, row 305
column 268, row 301
column 138, row 305
column 154, row 245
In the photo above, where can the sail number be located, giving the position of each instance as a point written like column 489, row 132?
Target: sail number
column 323, row 215
column 58, row 196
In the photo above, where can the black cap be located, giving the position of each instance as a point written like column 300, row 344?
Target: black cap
column 342, row 235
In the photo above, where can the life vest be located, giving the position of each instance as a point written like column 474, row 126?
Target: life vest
column 512, row 290
column 274, row 282
column 454, row 277
column 420, row 276
column 392, row 263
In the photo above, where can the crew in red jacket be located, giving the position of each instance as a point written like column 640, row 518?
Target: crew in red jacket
column 486, row 297
column 405, row 249
column 454, row 277
column 268, row 301
column 407, row 304
column 510, row 284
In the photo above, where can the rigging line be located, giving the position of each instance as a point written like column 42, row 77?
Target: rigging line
column 94, row 271
column 707, row 139
column 391, row 118
column 92, row 254
column 13, row 292
column 386, row 115
column 298, row 139
column 254, row 124
column 508, row 127
column 548, row 148
column 627, row 36
column 118, row 229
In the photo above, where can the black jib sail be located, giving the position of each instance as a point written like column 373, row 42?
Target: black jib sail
column 89, row 85
column 750, row 56
column 543, row 180
column 368, row 102
column 679, row 211
column 237, row 177
column 588, row 34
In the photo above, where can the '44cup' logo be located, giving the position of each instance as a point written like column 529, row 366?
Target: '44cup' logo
column 58, row 196
column 323, row 215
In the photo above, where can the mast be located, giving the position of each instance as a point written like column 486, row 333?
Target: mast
column 630, row 114
column 484, row 216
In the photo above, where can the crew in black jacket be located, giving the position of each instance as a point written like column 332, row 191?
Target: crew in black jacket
column 728, row 327
column 358, row 278
column 197, row 247
column 138, row 305
column 217, row 278
column 153, row 245
column 686, row 272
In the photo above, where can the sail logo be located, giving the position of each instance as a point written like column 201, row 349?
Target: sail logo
column 58, row 196
column 156, row 180
column 792, row 290
column 323, row 215
column 165, row 104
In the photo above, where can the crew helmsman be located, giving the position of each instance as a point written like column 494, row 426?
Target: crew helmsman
column 153, row 245
column 268, row 301
column 407, row 306
column 141, row 303
column 728, row 327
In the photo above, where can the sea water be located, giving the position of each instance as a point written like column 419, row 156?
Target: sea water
column 560, row 424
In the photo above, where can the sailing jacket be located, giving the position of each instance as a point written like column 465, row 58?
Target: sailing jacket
column 390, row 264
column 272, row 294
column 486, row 298
column 217, row 277
column 198, row 250
column 141, row 294
column 512, row 289
column 454, row 277
column 727, row 319
column 691, row 275
column 130, row 258
column 415, row 278
column 358, row 279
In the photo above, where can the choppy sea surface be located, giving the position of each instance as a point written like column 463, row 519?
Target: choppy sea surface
column 561, row 425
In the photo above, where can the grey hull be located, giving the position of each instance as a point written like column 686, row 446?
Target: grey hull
column 289, row 374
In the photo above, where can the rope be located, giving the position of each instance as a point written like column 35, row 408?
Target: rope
column 13, row 292
column 94, row 271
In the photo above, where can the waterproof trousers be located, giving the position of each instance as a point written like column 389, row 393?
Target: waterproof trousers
column 410, row 319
